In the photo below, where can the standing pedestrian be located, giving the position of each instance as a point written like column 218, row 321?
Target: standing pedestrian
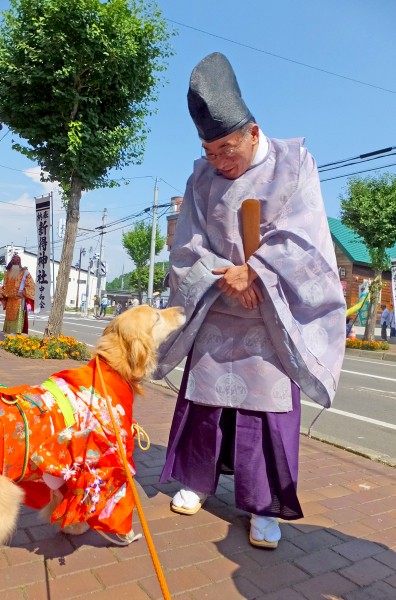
column 392, row 323
column 103, row 306
column 96, row 305
column 385, row 319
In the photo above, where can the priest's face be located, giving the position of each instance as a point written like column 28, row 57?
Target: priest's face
column 233, row 154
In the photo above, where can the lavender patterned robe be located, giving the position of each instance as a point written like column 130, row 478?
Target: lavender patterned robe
column 298, row 332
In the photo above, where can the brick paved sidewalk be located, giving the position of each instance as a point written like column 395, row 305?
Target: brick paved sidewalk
column 344, row 548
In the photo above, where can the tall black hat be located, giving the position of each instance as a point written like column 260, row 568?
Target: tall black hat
column 214, row 98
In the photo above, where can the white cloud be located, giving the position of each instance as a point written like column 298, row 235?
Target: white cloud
column 46, row 187
column 17, row 221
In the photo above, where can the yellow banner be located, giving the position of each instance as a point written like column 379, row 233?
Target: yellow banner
column 358, row 306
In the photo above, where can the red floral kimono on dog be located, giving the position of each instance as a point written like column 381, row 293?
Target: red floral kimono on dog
column 79, row 459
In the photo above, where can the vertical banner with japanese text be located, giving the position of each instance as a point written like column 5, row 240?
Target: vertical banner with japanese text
column 42, row 300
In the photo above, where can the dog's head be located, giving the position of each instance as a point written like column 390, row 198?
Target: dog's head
column 130, row 342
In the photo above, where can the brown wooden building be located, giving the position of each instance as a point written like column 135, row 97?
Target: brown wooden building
column 353, row 261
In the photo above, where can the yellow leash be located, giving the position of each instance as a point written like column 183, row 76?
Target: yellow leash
column 146, row 531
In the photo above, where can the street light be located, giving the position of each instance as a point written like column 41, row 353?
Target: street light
column 82, row 253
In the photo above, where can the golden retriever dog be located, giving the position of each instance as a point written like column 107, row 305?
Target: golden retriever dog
column 58, row 448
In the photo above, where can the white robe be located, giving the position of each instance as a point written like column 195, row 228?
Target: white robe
column 245, row 358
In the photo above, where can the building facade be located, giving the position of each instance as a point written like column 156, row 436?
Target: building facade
column 353, row 261
column 82, row 282
column 172, row 219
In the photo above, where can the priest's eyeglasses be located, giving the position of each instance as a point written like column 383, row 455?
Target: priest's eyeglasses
column 228, row 153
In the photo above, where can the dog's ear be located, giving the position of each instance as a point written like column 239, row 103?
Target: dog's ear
column 141, row 355
column 129, row 351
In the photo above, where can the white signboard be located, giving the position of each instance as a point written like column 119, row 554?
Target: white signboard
column 393, row 282
column 42, row 299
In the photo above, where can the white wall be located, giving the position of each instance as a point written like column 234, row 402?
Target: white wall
column 29, row 260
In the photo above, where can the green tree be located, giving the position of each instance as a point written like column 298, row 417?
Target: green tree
column 137, row 243
column 78, row 79
column 118, row 283
column 369, row 209
column 160, row 270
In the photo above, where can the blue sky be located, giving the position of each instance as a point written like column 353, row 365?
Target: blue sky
column 338, row 117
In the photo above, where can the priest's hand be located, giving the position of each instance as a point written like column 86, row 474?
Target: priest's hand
column 252, row 297
column 238, row 282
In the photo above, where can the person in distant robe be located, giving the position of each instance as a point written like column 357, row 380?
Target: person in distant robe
column 18, row 296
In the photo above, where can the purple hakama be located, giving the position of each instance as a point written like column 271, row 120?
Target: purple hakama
column 261, row 448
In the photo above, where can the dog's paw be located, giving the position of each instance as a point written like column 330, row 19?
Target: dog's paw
column 120, row 539
column 130, row 537
column 76, row 528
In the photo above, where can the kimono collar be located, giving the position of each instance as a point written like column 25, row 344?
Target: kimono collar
column 262, row 150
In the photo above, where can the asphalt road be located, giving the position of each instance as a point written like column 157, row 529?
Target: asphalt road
column 363, row 415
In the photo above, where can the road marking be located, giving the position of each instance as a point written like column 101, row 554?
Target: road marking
column 367, row 375
column 342, row 371
column 343, row 413
column 383, row 363
column 82, row 325
column 366, row 389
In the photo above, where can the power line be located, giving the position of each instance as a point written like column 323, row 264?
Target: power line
column 356, row 162
column 360, row 156
column 18, row 170
column 80, row 238
column 15, row 204
column 6, row 133
column 152, row 177
column 172, row 186
column 283, row 57
column 123, row 219
column 358, row 172
column 129, row 217
column 135, row 177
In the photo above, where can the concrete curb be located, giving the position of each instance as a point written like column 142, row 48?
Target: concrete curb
column 374, row 354
column 384, row 459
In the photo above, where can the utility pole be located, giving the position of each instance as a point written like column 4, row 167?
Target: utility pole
column 87, row 287
column 99, row 273
column 152, row 247
column 82, row 253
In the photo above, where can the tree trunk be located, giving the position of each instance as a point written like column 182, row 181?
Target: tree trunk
column 55, row 320
column 374, row 290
